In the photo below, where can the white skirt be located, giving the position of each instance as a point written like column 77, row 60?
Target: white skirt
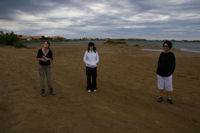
column 165, row 82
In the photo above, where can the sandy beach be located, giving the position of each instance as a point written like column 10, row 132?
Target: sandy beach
column 124, row 103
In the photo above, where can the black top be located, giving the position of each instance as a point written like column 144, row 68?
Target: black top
column 166, row 64
column 48, row 55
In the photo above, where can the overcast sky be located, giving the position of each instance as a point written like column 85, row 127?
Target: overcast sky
column 150, row 19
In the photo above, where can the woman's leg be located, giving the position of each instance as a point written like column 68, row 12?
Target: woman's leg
column 88, row 74
column 160, row 87
column 169, row 88
column 160, row 84
column 168, row 94
column 94, row 77
column 49, row 79
column 41, row 77
column 168, row 85
column 161, row 93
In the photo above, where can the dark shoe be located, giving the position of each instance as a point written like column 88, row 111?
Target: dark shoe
column 51, row 92
column 169, row 100
column 160, row 99
column 43, row 93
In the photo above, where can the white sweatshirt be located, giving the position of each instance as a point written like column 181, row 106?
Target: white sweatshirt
column 91, row 59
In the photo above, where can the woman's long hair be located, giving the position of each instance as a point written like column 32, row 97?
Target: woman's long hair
column 48, row 42
column 91, row 44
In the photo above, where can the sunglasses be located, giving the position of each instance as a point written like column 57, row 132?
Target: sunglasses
column 166, row 46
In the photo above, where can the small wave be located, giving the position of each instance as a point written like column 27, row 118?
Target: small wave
column 189, row 50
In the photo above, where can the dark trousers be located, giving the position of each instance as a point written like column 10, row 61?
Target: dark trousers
column 91, row 72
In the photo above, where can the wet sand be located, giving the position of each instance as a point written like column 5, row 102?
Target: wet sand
column 124, row 103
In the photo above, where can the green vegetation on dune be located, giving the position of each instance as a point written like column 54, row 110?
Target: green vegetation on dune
column 115, row 42
column 10, row 39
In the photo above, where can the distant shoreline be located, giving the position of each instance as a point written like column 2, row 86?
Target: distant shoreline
column 184, row 46
column 104, row 39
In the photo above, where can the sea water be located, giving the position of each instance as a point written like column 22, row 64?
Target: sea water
column 184, row 46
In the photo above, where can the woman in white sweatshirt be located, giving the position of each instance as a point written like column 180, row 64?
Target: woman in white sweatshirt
column 91, row 58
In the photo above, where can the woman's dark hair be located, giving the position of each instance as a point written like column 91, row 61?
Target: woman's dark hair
column 48, row 42
column 168, row 43
column 91, row 44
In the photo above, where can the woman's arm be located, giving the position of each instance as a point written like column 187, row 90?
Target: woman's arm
column 97, row 59
column 85, row 58
column 173, row 63
column 158, row 65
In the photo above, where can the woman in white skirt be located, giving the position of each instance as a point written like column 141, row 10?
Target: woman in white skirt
column 165, row 69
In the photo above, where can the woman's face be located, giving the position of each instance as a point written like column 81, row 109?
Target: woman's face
column 166, row 47
column 91, row 47
column 46, row 45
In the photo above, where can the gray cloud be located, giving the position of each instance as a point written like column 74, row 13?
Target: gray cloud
column 157, row 19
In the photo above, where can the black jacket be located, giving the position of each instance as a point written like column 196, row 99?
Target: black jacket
column 166, row 64
column 40, row 54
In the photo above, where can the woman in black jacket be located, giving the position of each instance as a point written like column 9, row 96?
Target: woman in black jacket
column 165, row 69
column 45, row 57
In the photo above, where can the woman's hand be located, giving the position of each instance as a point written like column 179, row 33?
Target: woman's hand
column 44, row 59
column 41, row 59
column 47, row 59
